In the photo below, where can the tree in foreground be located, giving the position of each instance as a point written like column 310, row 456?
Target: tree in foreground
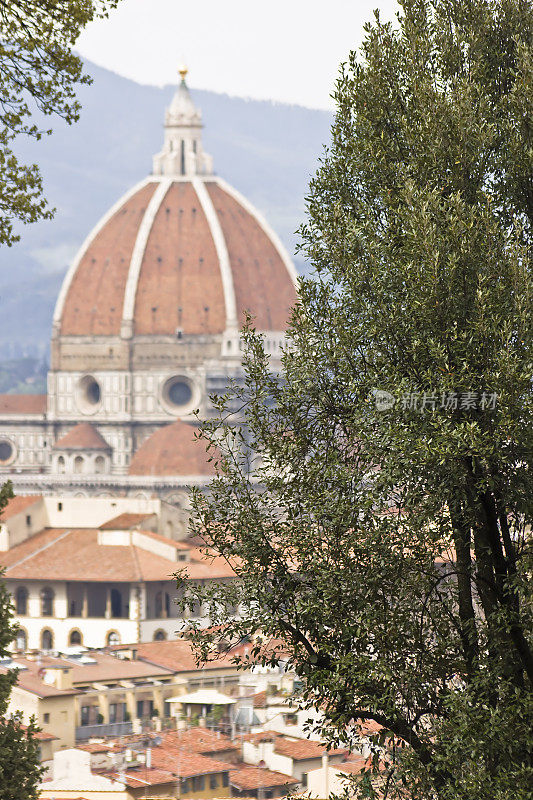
column 377, row 502
column 38, row 73
column 20, row 768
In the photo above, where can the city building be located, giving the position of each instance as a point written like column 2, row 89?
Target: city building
column 288, row 754
column 82, row 694
column 105, row 584
column 146, row 329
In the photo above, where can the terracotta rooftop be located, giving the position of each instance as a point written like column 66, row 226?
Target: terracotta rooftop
column 104, row 668
column 19, row 504
column 302, row 749
column 95, row 297
column 125, row 522
column 23, row 403
column 172, row 450
column 248, row 778
column 354, row 766
column 200, row 740
column 82, row 437
column 190, row 764
column 262, row 284
column 31, row 682
column 137, row 777
column 41, row 736
column 179, row 284
column 94, row 747
column 174, row 654
column 260, row 700
column 108, row 668
column 55, row 553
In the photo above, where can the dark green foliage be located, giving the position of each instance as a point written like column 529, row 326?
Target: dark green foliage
column 385, row 539
column 38, row 73
column 20, row 769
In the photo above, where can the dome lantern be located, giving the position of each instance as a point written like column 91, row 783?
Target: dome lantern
column 182, row 152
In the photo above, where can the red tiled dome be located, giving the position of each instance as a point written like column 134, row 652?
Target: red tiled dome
column 187, row 254
column 172, row 450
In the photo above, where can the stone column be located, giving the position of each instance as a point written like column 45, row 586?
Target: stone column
column 85, row 602
column 103, row 705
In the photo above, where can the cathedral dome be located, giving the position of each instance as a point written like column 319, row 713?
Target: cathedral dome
column 173, row 450
column 180, row 253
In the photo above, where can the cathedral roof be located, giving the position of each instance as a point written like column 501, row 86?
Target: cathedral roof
column 82, row 437
column 22, row 403
column 180, row 252
column 172, row 450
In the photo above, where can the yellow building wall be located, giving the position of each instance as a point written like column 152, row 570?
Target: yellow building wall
column 59, row 794
column 61, row 720
column 207, row 792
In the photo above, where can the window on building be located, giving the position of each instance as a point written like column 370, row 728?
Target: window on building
column 47, row 640
column 60, row 506
column 61, row 470
column 21, row 600
column 75, row 638
column 47, row 602
column 116, row 603
column 303, row 780
column 198, row 783
column 113, row 638
column 46, row 719
column 99, row 464
column 85, row 715
column 78, row 464
column 160, row 636
column 225, row 779
column 112, row 713
column 28, row 519
column 21, row 641
column 184, row 785
column 162, row 605
column 213, row 782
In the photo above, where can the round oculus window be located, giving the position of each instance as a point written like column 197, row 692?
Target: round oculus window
column 7, row 451
column 89, row 394
column 178, row 393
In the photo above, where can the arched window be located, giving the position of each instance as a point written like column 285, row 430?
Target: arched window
column 162, row 605
column 75, row 638
column 21, row 640
column 47, row 640
column 47, row 602
column 160, row 635
column 113, row 638
column 99, row 464
column 61, row 465
column 21, row 601
column 78, row 464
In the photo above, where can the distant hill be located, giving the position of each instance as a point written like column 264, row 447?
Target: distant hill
column 268, row 151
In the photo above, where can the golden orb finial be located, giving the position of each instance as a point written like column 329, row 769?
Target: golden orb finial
column 183, row 72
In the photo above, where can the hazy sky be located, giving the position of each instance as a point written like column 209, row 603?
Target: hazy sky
column 287, row 50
